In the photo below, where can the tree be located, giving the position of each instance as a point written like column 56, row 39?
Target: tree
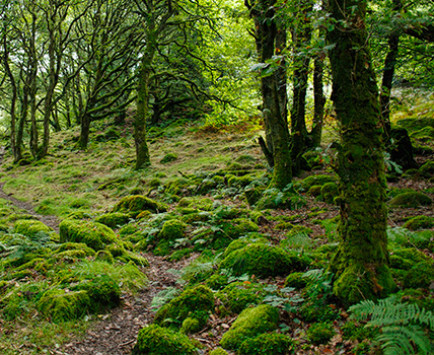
column 361, row 264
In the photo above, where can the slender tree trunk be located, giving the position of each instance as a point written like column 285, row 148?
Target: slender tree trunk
column 281, row 39
column 84, row 131
column 319, row 102
column 360, row 267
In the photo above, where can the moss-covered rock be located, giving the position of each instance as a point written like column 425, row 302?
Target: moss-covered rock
column 250, row 323
column 61, row 305
column 263, row 260
column 239, row 243
column 168, row 158
column 296, row 280
column 419, row 222
column 410, row 199
column 156, row 340
column 315, row 190
column 427, row 169
column 420, row 275
column 137, row 203
column 218, row 351
column 195, row 303
column 113, row 220
column 319, row 179
column 267, row 343
column 329, row 191
column 93, row 234
column 31, row 227
column 238, row 295
column 320, row 333
column 275, row 198
column 172, row 229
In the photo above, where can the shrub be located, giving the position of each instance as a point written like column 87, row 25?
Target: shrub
column 161, row 341
column 250, row 323
column 195, row 303
column 320, row 333
column 93, row 234
column 268, row 343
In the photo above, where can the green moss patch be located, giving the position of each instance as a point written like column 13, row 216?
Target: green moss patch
column 156, row 340
column 138, row 203
column 320, row 333
column 319, row 179
column 267, row 343
column 278, row 199
column 93, row 234
column 250, row 323
column 30, row 227
column 239, row 295
column 419, row 222
column 172, row 229
column 195, row 303
column 410, row 199
column 113, row 220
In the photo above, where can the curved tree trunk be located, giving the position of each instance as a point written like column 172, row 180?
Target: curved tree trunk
column 360, row 267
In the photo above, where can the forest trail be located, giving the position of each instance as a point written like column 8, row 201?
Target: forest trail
column 51, row 221
column 117, row 331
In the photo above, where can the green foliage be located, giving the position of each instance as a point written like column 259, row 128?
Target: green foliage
column 275, row 198
column 263, row 260
column 168, row 158
column 312, row 180
column 329, row 191
column 320, row 333
column 420, row 275
column 296, row 280
column 156, row 340
column 218, row 351
column 267, row 343
column 250, row 323
column 30, row 227
column 401, row 325
column 193, row 303
column 93, row 234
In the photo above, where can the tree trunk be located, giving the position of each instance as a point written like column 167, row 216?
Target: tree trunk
column 319, row 102
column 360, row 267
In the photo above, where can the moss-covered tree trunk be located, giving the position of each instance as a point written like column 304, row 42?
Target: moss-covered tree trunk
column 360, row 267
column 319, row 102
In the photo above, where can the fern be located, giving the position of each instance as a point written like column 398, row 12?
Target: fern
column 402, row 325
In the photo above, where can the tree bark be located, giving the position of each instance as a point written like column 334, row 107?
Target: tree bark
column 361, row 265
column 319, row 102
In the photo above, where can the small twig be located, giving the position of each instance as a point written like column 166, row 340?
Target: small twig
column 126, row 343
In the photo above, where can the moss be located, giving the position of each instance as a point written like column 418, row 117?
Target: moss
column 320, row 333
column 241, row 181
column 113, row 220
column 353, row 330
column 218, row 351
column 420, row 275
column 194, row 303
column 254, row 194
column 314, row 190
column 239, row 295
column 419, row 222
column 410, row 199
column 104, row 292
column 17, row 216
column 62, row 305
column 93, row 234
column 120, row 253
column 357, row 283
column 138, row 203
column 105, row 255
column 180, row 186
column 427, row 169
column 168, row 158
column 263, row 260
column 172, row 229
column 296, row 280
column 180, row 254
column 329, row 191
column 161, row 341
column 275, row 199
column 406, row 258
column 250, row 323
column 268, row 343
column 76, row 246
column 31, row 227
column 244, row 241
column 236, row 228
column 217, row 281
column 190, row 326
column 312, row 180
column 129, row 229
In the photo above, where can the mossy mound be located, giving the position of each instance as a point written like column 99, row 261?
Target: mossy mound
column 267, row 343
column 419, row 222
column 168, row 158
column 238, row 295
column 172, row 229
column 410, row 199
column 156, row 340
column 218, row 351
column 113, row 220
column 262, row 260
column 320, row 333
column 250, row 323
column 195, row 303
column 296, row 280
column 244, row 241
column 31, row 227
column 420, row 275
column 61, row 305
column 278, row 199
column 427, row 169
column 319, row 179
column 93, row 234
column 329, row 191
column 137, row 203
